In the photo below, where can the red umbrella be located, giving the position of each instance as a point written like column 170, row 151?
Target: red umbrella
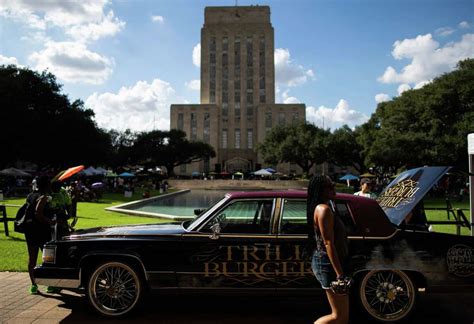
column 70, row 172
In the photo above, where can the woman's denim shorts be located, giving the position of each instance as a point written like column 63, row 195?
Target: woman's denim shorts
column 322, row 269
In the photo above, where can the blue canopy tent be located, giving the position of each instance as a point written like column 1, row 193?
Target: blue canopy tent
column 126, row 175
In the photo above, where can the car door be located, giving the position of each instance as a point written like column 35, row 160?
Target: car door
column 294, row 261
column 237, row 254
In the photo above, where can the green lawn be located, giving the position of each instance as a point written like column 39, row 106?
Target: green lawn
column 13, row 252
column 14, row 256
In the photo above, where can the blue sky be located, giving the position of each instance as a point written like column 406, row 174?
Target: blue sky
column 129, row 60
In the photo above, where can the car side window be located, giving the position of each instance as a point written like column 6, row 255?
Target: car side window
column 293, row 217
column 243, row 216
column 345, row 215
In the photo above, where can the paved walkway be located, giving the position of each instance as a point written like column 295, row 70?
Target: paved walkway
column 18, row 306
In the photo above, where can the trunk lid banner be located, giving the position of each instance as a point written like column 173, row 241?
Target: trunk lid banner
column 407, row 190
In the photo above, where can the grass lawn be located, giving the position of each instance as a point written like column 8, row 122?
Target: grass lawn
column 14, row 256
column 13, row 252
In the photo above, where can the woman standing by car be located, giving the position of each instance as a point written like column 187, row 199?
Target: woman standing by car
column 39, row 231
column 329, row 261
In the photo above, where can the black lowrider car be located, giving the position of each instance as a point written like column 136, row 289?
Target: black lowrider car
column 255, row 242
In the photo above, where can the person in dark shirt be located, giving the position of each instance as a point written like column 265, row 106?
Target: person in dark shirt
column 39, row 232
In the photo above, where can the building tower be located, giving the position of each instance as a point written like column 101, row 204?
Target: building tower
column 237, row 89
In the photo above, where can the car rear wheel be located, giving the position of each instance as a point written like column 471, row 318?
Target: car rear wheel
column 114, row 289
column 387, row 295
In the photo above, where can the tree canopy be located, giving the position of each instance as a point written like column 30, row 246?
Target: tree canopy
column 169, row 148
column 426, row 126
column 303, row 144
column 40, row 124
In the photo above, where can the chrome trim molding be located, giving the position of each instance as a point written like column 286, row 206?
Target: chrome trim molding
column 234, row 235
column 305, row 236
column 60, row 283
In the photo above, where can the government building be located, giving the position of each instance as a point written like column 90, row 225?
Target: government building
column 237, row 106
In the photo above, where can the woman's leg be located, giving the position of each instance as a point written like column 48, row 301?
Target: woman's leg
column 32, row 257
column 339, row 309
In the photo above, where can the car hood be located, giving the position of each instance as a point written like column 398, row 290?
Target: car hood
column 129, row 230
column 407, row 190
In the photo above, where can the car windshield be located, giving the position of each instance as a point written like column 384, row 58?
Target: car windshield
column 192, row 223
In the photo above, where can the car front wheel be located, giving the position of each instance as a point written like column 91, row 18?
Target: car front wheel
column 387, row 295
column 114, row 289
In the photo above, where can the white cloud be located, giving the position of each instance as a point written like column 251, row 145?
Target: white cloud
column 287, row 99
column 287, row 72
column 193, row 85
column 428, row 59
column 403, row 87
column 83, row 20
column 464, row 25
column 72, row 62
column 143, row 106
column 197, row 55
column 445, row 31
column 5, row 60
column 421, row 84
column 381, row 97
column 158, row 19
column 335, row 117
column 109, row 26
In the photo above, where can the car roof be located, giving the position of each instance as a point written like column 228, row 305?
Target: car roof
column 268, row 194
column 291, row 193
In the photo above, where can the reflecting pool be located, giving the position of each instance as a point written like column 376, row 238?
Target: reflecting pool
column 180, row 204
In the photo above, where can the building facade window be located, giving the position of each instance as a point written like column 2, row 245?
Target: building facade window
column 295, row 117
column 237, row 138
column 281, row 119
column 225, row 112
column 212, row 70
column 249, row 113
column 268, row 119
column 250, row 138
column 237, row 112
column 224, row 138
column 193, row 126
column 181, row 121
column 207, row 128
column 261, row 70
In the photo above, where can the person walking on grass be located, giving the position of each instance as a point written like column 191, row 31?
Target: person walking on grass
column 330, row 259
column 39, row 231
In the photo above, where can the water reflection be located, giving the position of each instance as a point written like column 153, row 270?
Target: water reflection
column 183, row 204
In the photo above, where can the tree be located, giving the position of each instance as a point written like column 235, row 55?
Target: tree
column 302, row 144
column 41, row 125
column 170, row 148
column 344, row 148
column 122, row 147
column 427, row 126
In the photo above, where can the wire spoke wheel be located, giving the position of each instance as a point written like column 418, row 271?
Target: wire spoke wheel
column 114, row 289
column 387, row 295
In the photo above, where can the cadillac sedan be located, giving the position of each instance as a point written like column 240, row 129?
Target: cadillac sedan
column 254, row 243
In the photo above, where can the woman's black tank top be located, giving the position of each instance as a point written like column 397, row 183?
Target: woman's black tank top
column 340, row 237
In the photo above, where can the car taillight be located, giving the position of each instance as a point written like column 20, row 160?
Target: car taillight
column 49, row 254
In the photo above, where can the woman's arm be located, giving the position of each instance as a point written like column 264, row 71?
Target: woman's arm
column 325, row 220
